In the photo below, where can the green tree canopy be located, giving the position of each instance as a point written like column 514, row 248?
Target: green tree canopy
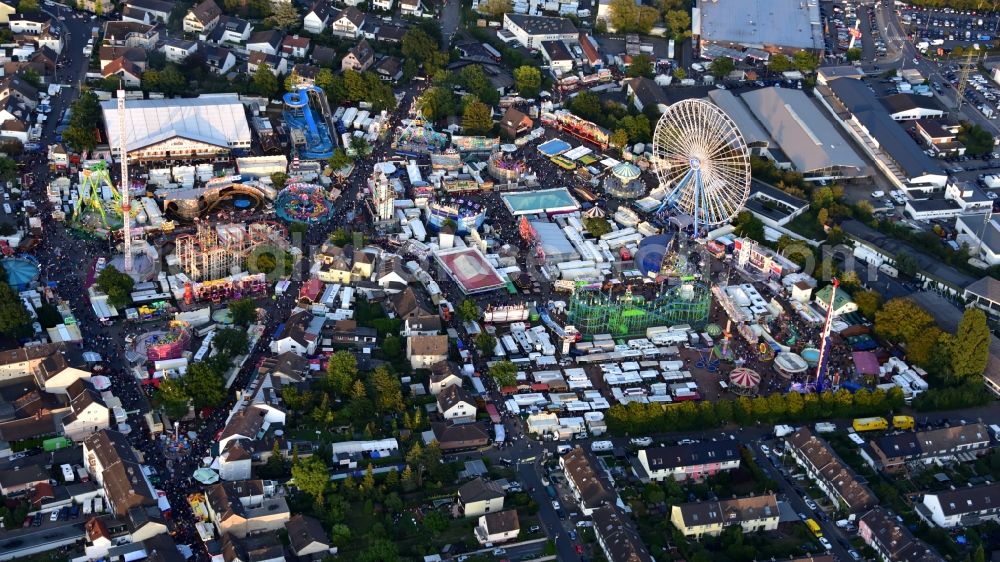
column 619, row 139
column 477, row 118
column 629, row 17
column 284, row 16
column 117, row 285
column 970, row 348
column 172, row 398
column 424, row 50
column 504, row 373
column 312, row 477
column 436, row 103
column 527, row 80
column 641, row 65
column 853, row 54
column 804, row 61
column 901, row 320
column 486, row 343
column 721, row 67
column 14, row 318
column 468, row 310
column 779, row 63
column 976, row 139
column 231, row 341
column 868, row 303
column 265, row 83
column 243, row 311
column 341, row 372
column 679, row 23
column 388, row 391
column 339, row 160
column 596, row 226
column 204, row 383
column 750, row 226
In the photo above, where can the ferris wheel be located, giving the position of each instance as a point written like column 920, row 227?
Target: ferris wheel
column 701, row 158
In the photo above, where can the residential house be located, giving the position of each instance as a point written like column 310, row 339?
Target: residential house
column 301, row 334
column 828, row 472
column 156, row 10
column 130, row 34
column 347, row 332
column 135, row 55
column 514, row 122
column 112, row 463
column 307, row 538
column 389, row 69
column 617, row 536
column 531, row 31
column 245, row 507
column 61, row 368
column 941, row 136
column 146, row 522
column 752, row 514
column 410, row 8
column 497, row 527
column 347, row 22
column 646, row 93
column 392, row 276
column 14, row 129
column 324, row 56
column 404, row 304
column 842, row 303
column 287, row 368
column 961, row 507
column 318, row 17
column 443, row 376
column 363, row 265
column 6, row 10
column 359, row 58
column 89, row 412
column 202, row 18
column 98, row 538
column 229, row 30
column 277, row 65
column 693, row 461
column 479, row 497
column 133, row 15
column 267, row 42
column 247, row 424
column 332, row 265
column 429, row 325
column 590, row 490
column 385, row 5
column 456, row 405
column 22, row 478
column 891, row 540
column 96, row 6
column 590, row 51
column 386, row 33
column 452, row 437
column 178, row 50
column 235, row 461
column 305, row 74
column 557, row 54
column 295, row 46
column 127, row 71
column 960, row 442
column 424, row 351
column 29, row 24
column 219, row 59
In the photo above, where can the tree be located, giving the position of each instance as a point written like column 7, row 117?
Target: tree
column 339, row 160
column 243, row 311
column 203, row 382
column 342, row 372
column 853, row 54
column 628, row 17
column 679, row 23
column 312, row 477
column 638, row 127
column 804, row 61
column 424, row 49
column 586, row 104
column 641, row 66
column 84, row 118
column 468, row 310
column 360, row 146
column 779, row 63
column 679, row 73
column 823, row 217
column 265, row 83
column 902, row 320
column 392, row 347
column 976, row 139
column 231, row 341
column 906, row 264
column 380, row 550
column 970, row 348
column 284, row 16
column 868, row 303
column 172, row 398
column 527, row 80
column 28, row 6
column 619, row 139
column 504, row 373
column 596, row 226
column 388, row 391
column 14, row 318
column 436, row 522
column 169, row 81
column 117, row 285
column 750, row 226
column 436, row 103
column 486, row 343
column 721, row 67
column 278, row 180
column 495, row 8
column 477, row 118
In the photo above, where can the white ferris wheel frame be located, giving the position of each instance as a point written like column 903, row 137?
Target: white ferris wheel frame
column 701, row 157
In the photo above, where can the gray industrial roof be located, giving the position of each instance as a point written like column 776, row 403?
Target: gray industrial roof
column 554, row 243
column 793, row 24
column 990, row 235
column 803, row 133
column 542, row 25
column 892, row 139
column 738, row 112
column 218, row 119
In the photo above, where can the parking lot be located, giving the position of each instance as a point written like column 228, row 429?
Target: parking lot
column 842, row 18
column 953, row 27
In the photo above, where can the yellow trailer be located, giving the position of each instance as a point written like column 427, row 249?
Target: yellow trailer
column 870, row 424
column 902, row 422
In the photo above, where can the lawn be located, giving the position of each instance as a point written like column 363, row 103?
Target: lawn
column 807, row 225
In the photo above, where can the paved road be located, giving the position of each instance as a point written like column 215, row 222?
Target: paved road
column 451, row 18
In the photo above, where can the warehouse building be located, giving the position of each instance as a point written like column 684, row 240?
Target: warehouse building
column 776, row 26
column 787, row 127
column 187, row 129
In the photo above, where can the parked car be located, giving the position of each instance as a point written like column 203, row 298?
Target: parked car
column 812, row 505
column 826, row 544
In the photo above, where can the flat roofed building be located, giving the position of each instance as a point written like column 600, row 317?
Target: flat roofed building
column 179, row 129
column 803, row 133
column 772, row 25
column 753, row 133
column 530, row 31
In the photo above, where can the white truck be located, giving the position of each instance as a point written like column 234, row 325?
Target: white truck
column 888, row 270
column 783, row 430
column 991, row 181
column 825, row 427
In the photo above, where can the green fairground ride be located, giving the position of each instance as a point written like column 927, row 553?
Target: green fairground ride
column 592, row 311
